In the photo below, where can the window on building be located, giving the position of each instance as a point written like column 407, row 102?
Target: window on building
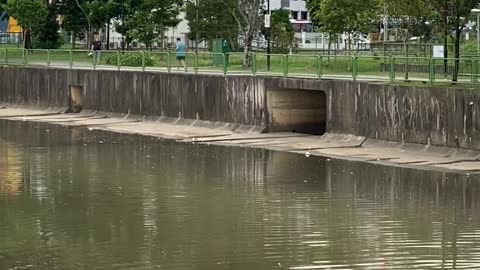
column 295, row 15
column 304, row 15
column 285, row 4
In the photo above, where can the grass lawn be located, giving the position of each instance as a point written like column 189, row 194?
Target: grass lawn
column 374, row 67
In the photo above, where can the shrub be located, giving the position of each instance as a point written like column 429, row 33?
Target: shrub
column 130, row 60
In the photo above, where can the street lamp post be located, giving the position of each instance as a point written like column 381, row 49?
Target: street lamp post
column 268, row 35
column 197, row 36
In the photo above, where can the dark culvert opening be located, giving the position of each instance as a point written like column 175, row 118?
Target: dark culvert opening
column 297, row 110
column 76, row 99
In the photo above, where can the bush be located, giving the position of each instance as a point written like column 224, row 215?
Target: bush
column 130, row 60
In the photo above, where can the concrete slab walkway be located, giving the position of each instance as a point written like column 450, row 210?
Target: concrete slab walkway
column 339, row 146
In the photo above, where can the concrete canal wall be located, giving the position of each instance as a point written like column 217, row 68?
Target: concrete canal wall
column 425, row 115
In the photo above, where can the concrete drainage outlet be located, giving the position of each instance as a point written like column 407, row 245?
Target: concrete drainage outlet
column 297, row 110
column 76, row 99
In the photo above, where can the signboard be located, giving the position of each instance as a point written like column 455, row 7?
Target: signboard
column 438, row 51
column 267, row 20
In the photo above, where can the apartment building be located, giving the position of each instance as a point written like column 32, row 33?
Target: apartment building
column 299, row 14
column 304, row 31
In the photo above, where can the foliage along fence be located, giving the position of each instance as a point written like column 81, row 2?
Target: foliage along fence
column 373, row 68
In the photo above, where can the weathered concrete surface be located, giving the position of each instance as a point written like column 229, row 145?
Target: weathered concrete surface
column 411, row 114
column 120, row 124
column 405, row 114
column 330, row 145
column 237, row 100
column 302, row 111
column 442, row 117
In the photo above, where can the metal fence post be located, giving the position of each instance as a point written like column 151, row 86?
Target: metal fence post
column 354, row 68
column 169, row 62
column 474, row 71
column 25, row 56
column 254, row 64
column 225, row 67
column 6, row 56
column 144, row 60
column 48, row 58
column 195, row 63
column 319, row 66
column 431, row 76
column 392, row 69
column 285, row 65
column 119, row 60
column 70, row 58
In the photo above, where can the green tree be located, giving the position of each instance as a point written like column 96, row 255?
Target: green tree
column 246, row 15
column 314, row 7
column 73, row 20
column 415, row 16
column 351, row 17
column 152, row 20
column 28, row 13
column 282, row 34
column 455, row 15
column 124, row 12
column 45, row 33
column 206, row 23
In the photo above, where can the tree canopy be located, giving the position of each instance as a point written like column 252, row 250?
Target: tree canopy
column 352, row 17
column 206, row 23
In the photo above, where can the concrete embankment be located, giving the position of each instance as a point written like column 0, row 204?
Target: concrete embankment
column 442, row 121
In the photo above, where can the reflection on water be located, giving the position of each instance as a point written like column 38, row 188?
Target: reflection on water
column 75, row 199
column 10, row 168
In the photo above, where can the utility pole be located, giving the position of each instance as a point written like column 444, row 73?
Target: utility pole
column 445, row 41
column 197, row 37
column 268, row 34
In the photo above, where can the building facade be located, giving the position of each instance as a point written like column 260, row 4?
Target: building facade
column 305, row 33
column 300, row 17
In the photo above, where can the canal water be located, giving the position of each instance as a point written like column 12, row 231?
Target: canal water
column 80, row 199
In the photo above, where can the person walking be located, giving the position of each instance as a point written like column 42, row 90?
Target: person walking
column 97, row 50
column 181, row 51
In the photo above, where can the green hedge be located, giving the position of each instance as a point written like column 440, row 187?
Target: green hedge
column 130, row 60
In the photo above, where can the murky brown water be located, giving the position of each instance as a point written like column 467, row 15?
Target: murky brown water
column 75, row 199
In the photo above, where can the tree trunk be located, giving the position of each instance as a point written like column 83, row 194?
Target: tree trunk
column 27, row 39
column 108, row 36
column 89, row 37
column 162, row 33
column 247, row 49
column 74, row 38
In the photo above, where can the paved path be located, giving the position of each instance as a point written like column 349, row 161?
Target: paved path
column 361, row 77
column 330, row 145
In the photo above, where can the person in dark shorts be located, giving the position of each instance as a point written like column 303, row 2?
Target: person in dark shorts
column 97, row 49
column 181, row 51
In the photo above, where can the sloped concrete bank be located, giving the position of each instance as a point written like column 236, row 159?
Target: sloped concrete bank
column 422, row 116
column 339, row 146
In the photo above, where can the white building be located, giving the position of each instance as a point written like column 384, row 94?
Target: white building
column 304, row 30
column 180, row 31
column 300, row 17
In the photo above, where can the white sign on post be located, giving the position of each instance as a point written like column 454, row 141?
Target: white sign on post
column 438, row 51
column 267, row 20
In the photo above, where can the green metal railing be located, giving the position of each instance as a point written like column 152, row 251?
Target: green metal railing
column 370, row 68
